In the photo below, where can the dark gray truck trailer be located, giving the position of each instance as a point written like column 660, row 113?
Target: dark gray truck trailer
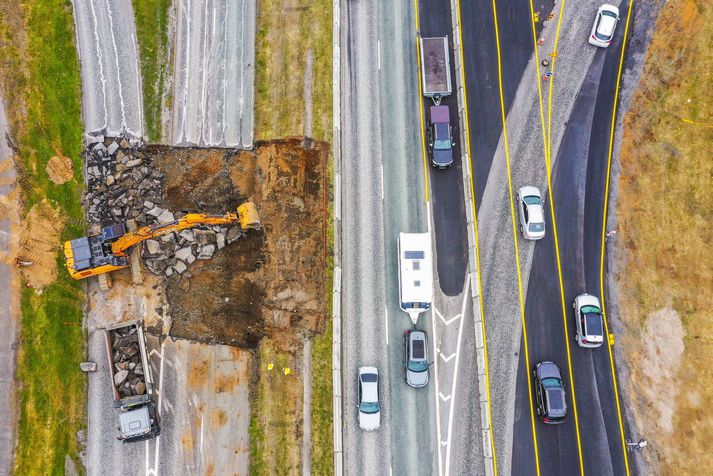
column 132, row 382
column 435, row 68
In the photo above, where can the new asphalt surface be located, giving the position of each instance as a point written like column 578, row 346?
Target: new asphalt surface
column 111, row 80
column 579, row 178
column 214, row 69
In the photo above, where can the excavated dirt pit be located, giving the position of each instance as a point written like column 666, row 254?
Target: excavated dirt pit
column 272, row 282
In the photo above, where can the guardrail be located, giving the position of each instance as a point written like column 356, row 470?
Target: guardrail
column 472, row 261
column 337, row 284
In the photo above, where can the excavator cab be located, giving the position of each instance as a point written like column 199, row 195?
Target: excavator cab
column 92, row 255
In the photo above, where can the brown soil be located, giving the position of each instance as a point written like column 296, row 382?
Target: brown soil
column 59, row 169
column 273, row 280
column 38, row 244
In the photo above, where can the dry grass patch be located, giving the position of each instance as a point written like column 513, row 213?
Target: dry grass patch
column 666, row 270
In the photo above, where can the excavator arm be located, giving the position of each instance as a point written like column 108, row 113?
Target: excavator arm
column 246, row 217
column 98, row 254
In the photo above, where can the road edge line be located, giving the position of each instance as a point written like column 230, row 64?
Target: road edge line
column 476, row 292
column 603, row 237
column 337, row 401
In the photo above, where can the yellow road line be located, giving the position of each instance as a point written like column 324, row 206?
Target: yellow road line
column 515, row 239
column 604, row 227
column 547, row 146
column 477, row 243
column 420, row 100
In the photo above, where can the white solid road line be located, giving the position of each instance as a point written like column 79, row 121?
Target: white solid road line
column 378, row 54
column 436, row 391
column 386, row 323
column 455, row 377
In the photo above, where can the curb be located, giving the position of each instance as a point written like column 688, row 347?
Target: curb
column 337, row 284
column 488, row 459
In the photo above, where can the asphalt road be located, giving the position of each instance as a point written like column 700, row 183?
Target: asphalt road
column 578, row 194
column 213, row 89
column 111, row 80
column 481, row 69
column 10, row 299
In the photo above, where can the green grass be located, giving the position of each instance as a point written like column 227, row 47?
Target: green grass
column 284, row 35
column 41, row 69
column 152, row 34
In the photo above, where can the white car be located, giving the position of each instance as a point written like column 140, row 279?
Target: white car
column 532, row 216
column 368, row 402
column 604, row 26
column 589, row 321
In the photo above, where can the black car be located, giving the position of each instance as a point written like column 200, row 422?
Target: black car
column 440, row 137
column 549, row 393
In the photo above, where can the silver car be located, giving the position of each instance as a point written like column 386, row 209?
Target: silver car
column 368, row 402
column 588, row 321
column 531, row 211
column 416, row 358
column 604, row 26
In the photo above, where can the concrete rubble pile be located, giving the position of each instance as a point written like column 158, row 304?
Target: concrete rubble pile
column 123, row 184
column 119, row 182
column 129, row 376
column 171, row 254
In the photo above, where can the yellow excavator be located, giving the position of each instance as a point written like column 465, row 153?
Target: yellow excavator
column 109, row 249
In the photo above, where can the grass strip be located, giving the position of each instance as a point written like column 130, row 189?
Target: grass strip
column 285, row 32
column 42, row 89
column 151, row 18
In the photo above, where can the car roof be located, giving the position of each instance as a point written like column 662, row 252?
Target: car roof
column 536, row 213
column 606, row 25
column 555, row 402
column 440, row 114
column 418, row 345
column 548, row 370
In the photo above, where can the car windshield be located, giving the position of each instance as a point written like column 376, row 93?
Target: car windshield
column 417, row 365
column 551, row 383
column 442, row 145
column 369, row 378
column 532, row 200
column 593, row 323
column 535, row 227
column 369, row 407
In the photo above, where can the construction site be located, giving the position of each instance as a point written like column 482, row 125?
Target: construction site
column 219, row 283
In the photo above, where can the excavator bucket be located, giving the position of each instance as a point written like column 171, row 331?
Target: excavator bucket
column 247, row 216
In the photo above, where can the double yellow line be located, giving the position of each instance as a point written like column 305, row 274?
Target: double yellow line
column 547, row 146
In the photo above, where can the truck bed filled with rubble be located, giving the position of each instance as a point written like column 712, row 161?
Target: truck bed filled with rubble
column 223, row 285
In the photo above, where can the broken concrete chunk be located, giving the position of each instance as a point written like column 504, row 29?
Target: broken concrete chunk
column 134, row 163
column 120, row 376
column 99, row 147
column 153, row 247
column 169, row 271
column 156, row 212
column 204, row 237
column 180, row 267
column 187, row 235
column 220, row 240
column 139, row 388
column 183, row 253
column 124, row 143
column 190, row 259
column 206, row 252
column 110, row 180
column 232, row 235
column 113, row 147
column 88, row 366
column 165, row 217
column 148, row 205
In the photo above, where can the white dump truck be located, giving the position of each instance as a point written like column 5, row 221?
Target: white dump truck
column 132, row 382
